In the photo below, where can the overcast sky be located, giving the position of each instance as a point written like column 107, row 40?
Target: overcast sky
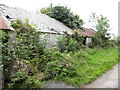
column 108, row 8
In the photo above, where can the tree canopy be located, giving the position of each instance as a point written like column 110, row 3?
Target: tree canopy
column 102, row 26
column 64, row 15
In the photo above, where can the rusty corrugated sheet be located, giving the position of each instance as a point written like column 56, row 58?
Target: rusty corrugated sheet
column 4, row 23
column 87, row 32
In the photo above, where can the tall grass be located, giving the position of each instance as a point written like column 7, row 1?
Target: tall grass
column 90, row 64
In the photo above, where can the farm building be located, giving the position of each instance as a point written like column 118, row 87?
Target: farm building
column 45, row 24
column 5, row 25
column 88, row 33
column 49, row 26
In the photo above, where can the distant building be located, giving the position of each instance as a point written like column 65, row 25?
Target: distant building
column 88, row 33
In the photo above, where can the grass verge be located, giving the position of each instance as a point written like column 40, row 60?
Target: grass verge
column 91, row 65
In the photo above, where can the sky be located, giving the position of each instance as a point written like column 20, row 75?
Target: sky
column 108, row 8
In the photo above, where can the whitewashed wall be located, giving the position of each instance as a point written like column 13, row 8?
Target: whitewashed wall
column 51, row 39
column 88, row 41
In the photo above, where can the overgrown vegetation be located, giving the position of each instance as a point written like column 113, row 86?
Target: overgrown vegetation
column 102, row 26
column 29, row 63
column 30, row 58
column 72, row 42
column 27, row 49
column 90, row 64
column 63, row 14
column 6, row 56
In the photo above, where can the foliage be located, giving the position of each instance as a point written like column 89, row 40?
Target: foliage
column 90, row 64
column 6, row 56
column 53, row 64
column 67, row 44
column 59, row 68
column 28, row 41
column 62, row 43
column 72, row 45
column 71, row 42
column 79, row 38
column 81, row 55
column 21, row 79
column 63, row 14
column 72, row 64
column 28, row 48
column 101, row 24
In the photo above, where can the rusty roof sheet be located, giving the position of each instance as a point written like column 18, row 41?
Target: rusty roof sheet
column 87, row 32
column 4, row 23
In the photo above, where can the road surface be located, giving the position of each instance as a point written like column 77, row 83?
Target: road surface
column 107, row 80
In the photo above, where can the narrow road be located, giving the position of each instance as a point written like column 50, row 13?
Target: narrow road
column 107, row 80
column 54, row 84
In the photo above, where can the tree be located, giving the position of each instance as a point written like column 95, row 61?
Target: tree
column 102, row 26
column 64, row 15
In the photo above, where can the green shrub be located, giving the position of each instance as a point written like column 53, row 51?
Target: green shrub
column 67, row 44
column 28, row 41
column 71, row 42
column 79, row 38
column 72, row 45
column 21, row 79
column 6, row 56
column 28, row 47
column 62, row 43
column 59, row 67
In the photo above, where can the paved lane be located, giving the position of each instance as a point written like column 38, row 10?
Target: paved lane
column 107, row 80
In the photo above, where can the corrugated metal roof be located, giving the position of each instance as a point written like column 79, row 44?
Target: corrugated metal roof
column 4, row 23
column 87, row 32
